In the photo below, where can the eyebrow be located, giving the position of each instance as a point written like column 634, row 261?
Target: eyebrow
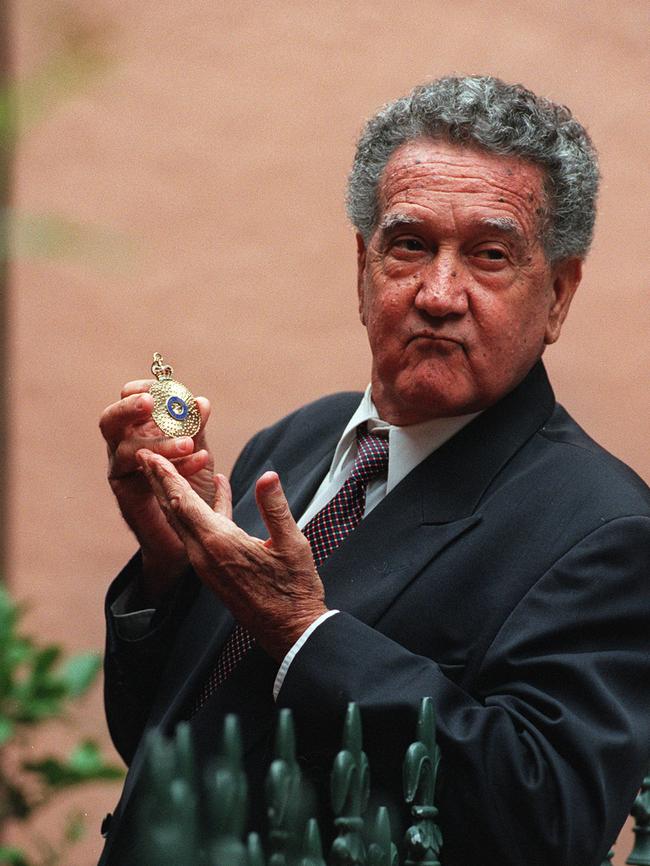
column 507, row 225
column 397, row 219
column 502, row 224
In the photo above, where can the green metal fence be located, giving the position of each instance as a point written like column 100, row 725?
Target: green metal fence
column 195, row 816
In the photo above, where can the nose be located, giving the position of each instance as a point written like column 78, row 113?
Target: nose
column 442, row 289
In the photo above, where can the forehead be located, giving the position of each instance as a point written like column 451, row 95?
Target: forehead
column 426, row 177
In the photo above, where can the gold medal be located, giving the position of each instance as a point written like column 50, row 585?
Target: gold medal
column 174, row 407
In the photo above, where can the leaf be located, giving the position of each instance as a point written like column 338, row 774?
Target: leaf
column 53, row 773
column 12, row 857
column 86, row 758
column 32, row 709
column 79, row 672
column 17, row 650
column 6, row 730
column 89, row 763
column 45, row 659
column 85, row 764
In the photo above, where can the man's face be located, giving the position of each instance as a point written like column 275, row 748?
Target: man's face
column 455, row 290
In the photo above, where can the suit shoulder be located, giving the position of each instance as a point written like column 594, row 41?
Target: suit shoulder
column 316, row 425
column 327, row 413
column 592, row 469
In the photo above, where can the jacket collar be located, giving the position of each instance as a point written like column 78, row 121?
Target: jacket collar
column 434, row 505
column 452, row 481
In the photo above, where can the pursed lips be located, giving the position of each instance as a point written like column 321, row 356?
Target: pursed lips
column 434, row 337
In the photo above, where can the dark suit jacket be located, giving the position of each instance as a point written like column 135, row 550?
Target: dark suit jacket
column 506, row 576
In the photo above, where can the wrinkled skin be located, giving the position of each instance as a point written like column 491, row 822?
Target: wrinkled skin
column 272, row 587
column 455, row 290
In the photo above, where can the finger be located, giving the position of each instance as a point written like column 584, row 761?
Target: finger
column 193, row 463
column 275, row 511
column 173, row 492
column 183, row 506
column 222, row 496
column 117, row 417
column 124, row 459
column 138, row 386
column 203, row 405
column 145, row 459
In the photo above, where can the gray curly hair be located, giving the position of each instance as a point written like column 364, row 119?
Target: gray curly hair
column 503, row 119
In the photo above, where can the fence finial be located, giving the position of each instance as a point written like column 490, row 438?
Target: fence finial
column 284, row 795
column 640, row 855
column 382, row 851
column 423, row 838
column 226, row 789
column 350, row 790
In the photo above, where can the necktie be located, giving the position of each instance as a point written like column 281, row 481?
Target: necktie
column 325, row 532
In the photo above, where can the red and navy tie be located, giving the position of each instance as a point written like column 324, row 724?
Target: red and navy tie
column 325, row 532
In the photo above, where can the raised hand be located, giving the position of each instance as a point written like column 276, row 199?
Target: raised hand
column 272, row 587
column 127, row 426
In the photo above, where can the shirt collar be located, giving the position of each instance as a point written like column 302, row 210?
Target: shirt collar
column 407, row 446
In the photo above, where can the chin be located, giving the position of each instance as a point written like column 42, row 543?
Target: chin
column 426, row 391
column 419, row 404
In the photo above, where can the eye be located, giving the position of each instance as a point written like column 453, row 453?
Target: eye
column 407, row 243
column 491, row 257
column 410, row 244
column 493, row 254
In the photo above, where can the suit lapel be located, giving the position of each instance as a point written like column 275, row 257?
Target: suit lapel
column 384, row 554
column 300, row 481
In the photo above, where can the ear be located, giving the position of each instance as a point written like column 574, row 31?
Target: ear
column 566, row 278
column 361, row 273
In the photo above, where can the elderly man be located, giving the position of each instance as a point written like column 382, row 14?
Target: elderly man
column 457, row 535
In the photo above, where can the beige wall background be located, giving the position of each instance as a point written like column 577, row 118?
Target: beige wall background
column 190, row 195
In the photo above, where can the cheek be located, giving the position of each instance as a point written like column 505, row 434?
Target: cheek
column 513, row 317
column 510, row 337
column 384, row 320
column 391, row 301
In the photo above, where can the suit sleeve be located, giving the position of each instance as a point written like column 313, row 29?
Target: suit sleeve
column 133, row 667
column 543, row 751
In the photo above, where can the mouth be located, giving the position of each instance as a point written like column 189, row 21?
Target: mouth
column 434, row 338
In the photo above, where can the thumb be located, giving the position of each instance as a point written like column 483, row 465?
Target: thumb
column 274, row 508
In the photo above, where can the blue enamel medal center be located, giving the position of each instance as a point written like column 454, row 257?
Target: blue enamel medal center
column 177, row 408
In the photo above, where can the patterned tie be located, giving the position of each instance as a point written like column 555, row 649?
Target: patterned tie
column 325, row 532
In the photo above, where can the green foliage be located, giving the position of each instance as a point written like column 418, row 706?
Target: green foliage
column 12, row 857
column 37, row 684
column 85, row 764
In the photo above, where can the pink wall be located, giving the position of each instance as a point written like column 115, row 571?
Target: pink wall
column 206, row 168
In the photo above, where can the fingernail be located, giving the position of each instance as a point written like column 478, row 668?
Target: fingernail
column 139, row 404
column 184, row 444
